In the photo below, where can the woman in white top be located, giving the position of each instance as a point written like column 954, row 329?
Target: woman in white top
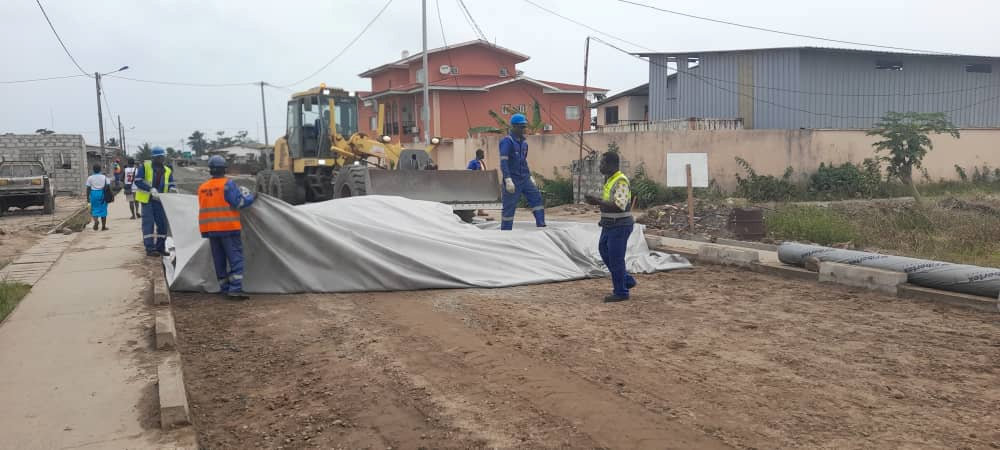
column 95, row 196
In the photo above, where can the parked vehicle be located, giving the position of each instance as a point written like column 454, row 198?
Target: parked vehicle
column 24, row 184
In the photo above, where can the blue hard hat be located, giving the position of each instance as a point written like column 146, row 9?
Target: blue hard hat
column 518, row 119
column 216, row 162
column 159, row 151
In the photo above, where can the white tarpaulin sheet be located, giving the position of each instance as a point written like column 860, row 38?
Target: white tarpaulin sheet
column 379, row 243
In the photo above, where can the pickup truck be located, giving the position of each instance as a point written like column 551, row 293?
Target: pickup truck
column 24, row 184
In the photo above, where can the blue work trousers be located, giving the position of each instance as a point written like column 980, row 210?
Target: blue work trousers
column 153, row 216
column 227, row 253
column 613, row 243
column 531, row 193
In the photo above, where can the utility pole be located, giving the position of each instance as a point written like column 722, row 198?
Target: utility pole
column 100, row 119
column 584, row 118
column 263, row 111
column 426, row 110
column 121, row 136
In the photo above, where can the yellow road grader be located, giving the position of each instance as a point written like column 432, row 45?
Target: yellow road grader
column 322, row 156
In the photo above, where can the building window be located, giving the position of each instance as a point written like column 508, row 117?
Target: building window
column 885, row 64
column 693, row 63
column 503, row 72
column 420, row 75
column 610, row 115
column 506, row 109
column 454, row 70
column 572, row 113
column 373, row 123
column 979, row 68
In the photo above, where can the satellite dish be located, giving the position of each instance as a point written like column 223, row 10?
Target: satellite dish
column 444, row 69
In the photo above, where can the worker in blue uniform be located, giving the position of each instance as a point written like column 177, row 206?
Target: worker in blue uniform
column 479, row 163
column 517, row 179
column 219, row 202
column 616, row 225
column 153, row 179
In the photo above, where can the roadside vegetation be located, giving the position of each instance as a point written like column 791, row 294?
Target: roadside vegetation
column 887, row 204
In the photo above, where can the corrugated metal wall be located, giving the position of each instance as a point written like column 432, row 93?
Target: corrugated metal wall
column 815, row 88
column 848, row 82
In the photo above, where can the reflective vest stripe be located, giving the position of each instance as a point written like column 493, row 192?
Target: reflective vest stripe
column 142, row 196
column 214, row 213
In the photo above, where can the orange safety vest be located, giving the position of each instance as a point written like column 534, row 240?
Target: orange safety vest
column 214, row 212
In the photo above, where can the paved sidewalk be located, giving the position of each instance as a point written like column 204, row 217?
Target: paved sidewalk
column 77, row 368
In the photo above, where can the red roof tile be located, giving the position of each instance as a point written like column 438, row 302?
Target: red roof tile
column 572, row 87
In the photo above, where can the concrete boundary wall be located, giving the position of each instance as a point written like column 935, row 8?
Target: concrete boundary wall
column 769, row 152
column 64, row 156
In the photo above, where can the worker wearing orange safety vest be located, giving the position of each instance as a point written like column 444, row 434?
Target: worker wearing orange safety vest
column 219, row 202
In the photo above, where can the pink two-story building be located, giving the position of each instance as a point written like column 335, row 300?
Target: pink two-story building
column 466, row 81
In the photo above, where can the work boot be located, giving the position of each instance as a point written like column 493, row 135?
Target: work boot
column 138, row 215
column 614, row 298
column 237, row 296
column 631, row 284
column 95, row 225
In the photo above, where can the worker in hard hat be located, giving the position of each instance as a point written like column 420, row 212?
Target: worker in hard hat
column 616, row 225
column 219, row 202
column 152, row 180
column 517, row 179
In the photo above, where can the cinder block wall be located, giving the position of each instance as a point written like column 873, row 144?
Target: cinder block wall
column 593, row 182
column 64, row 156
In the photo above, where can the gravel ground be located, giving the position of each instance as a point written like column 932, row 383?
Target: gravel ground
column 704, row 358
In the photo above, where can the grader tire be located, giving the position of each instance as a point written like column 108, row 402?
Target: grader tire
column 284, row 186
column 351, row 182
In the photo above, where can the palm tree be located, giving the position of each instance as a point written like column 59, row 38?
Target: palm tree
column 535, row 125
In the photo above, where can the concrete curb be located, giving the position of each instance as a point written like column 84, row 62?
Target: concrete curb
column 161, row 293
column 885, row 281
column 174, row 410
column 911, row 292
column 728, row 256
column 166, row 332
column 78, row 211
column 901, row 290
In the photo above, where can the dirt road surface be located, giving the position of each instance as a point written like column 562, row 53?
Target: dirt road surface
column 22, row 228
column 702, row 358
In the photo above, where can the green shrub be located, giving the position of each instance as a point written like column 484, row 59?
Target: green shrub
column 809, row 223
column 764, row 188
column 558, row 189
column 846, row 180
column 649, row 193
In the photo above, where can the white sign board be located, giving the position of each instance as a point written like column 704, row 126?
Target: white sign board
column 677, row 174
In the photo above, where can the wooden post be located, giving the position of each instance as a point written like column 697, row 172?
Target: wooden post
column 687, row 168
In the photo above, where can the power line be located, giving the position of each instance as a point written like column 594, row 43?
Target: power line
column 471, row 20
column 704, row 79
column 468, row 123
column 795, row 91
column 53, row 28
column 346, row 47
column 42, row 79
column 182, row 83
column 787, row 33
column 536, row 5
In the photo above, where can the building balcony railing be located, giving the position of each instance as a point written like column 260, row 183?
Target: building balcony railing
column 693, row 123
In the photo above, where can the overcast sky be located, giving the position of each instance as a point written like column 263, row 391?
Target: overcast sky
column 216, row 41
